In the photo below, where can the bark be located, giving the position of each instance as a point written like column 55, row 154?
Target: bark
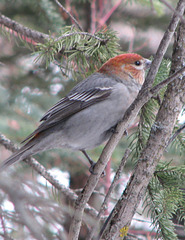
column 161, row 131
column 131, row 113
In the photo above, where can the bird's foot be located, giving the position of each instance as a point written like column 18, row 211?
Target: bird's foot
column 113, row 129
column 125, row 133
column 92, row 163
column 91, row 169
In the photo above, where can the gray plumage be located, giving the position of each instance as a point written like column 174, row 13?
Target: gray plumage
column 84, row 118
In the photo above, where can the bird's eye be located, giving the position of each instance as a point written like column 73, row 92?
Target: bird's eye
column 137, row 63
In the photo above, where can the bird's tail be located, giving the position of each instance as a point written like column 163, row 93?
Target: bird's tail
column 24, row 152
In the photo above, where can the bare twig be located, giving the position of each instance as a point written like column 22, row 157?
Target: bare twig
column 111, row 189
column 164, row 45
column 171, row 8
column 176, row 134
column 68, row 13
column 130, row 114
column 168, row 5
column 168, row 80
column 43, row 172
column 93, row 16
column 103, row 20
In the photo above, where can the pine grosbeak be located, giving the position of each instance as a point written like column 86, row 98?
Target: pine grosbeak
column 85, row 118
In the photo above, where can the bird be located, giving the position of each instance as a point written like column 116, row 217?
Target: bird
column 87, row 116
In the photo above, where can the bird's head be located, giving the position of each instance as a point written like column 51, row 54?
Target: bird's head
column 129, row 66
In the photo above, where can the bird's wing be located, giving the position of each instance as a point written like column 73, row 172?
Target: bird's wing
column 69, row 105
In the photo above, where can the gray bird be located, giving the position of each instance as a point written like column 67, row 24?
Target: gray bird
column 86, row 117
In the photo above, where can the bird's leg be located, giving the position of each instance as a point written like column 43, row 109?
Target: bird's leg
column 88, row 158
column 91, row 169
column 92, row 163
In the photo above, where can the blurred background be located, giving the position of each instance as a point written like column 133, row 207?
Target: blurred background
column 28, row 88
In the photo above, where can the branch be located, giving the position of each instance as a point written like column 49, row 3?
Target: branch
column 68, row 13
column 103, row 20
column 176, row 134
column 22, row 30
column 44, row 173
column 168, row 80
column 93, row 16
column 161, row 130
column 81, row 33
column 164, row 45
column 130, row 114
column 171, row 8
column 39, row 37
column 111, row 189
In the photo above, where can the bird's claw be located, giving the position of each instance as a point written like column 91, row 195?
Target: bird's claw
column 92, row 163
column 126, row 133
column 91, row 170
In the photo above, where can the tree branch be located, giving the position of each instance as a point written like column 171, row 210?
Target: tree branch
column 36, row 36
column 130, row 114
column 44, row 173
column 111, row 189
column 176, row 134
column 168, row 80
column 22, row 30
column 171, row 8
column 161, row 130
column 68, row 13
column 104, row 19
column 81, row 33
column 164, row 44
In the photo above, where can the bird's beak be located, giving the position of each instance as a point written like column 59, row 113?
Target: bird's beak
column 147, row 63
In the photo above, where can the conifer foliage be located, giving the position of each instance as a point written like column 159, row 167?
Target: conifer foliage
column 46, row 48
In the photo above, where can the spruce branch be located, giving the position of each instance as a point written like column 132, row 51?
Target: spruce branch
column 48, row 40
column 162, row 204
column 72, row 48
column 38, row 36
column 165, row 198
column 103, row 41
